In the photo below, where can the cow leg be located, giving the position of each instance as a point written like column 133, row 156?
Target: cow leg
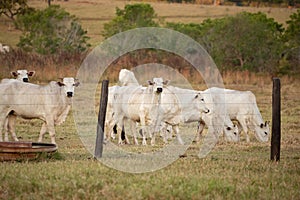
column 124, row 136
column 3, row 122
column 42, row 132
column 132, row 126
column 11, row 119
column 6, row 129
column 243, row 124
column 176, row 130
column 143, row 125
column 165, row 133
column 201, row 126
column 51, row 130
column 153, row 134
column 109, row 128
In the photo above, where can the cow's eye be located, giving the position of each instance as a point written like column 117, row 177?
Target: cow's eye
column 228, row 128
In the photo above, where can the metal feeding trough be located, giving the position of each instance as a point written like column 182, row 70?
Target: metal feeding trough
column 24, row 150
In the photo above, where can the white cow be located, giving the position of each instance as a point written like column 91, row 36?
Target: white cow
column 215, row 101
column 126, row 78
column 241, row 106
column 50, row 103
column 190, row 114
column 4, row 48
column 191, row 105
column 135, row 102
column 22, row 74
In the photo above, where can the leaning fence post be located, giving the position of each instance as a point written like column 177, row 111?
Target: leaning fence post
column 276, row 121
column 101, row 119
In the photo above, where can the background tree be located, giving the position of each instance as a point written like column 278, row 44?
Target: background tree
column 12, row 8
column 52, row 30
column 291, row 55
column 246, row 41
column 132, row 16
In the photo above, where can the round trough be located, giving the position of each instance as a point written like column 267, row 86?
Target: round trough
column 24, row 150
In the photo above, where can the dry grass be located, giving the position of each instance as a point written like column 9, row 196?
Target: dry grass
column 94, row 13
column 230, row 171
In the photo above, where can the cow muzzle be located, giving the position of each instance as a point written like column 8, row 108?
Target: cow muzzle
column 159, row 90
column 69, row 94
column 25, row 80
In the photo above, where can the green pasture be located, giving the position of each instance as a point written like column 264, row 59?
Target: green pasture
column 231, row 171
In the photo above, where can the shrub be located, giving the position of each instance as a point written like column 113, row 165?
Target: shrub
column 52, row 30
column 132, row 16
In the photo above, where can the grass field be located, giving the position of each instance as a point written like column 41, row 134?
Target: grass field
column 230, row 171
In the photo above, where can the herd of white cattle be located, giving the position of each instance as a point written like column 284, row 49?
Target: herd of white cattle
column 160, row 106
column 156, row 108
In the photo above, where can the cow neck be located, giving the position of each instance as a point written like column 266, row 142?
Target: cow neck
column 156, row 99
column 256, row 117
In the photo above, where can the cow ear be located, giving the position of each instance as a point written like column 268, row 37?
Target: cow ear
column 150, row 82
column 15, row 74
column 76, row 84
column 60, row 84
column 166, row 82
column 31, row 73
column 267, row 123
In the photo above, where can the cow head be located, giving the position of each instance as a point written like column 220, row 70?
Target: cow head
column 158, row 84
column 262, row 131
column 69, row 86
column 201, row 103
column 231, row 132
column 22, row 75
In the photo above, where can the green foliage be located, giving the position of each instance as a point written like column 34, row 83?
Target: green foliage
column 12, row 8
column 291, row 58
column 246, row 41
column 292, row 33
column 52, row 30
column 132, row 16
column 193, row 30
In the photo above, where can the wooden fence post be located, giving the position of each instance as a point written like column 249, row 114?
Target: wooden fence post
column 101, row 119
column 276, row 121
